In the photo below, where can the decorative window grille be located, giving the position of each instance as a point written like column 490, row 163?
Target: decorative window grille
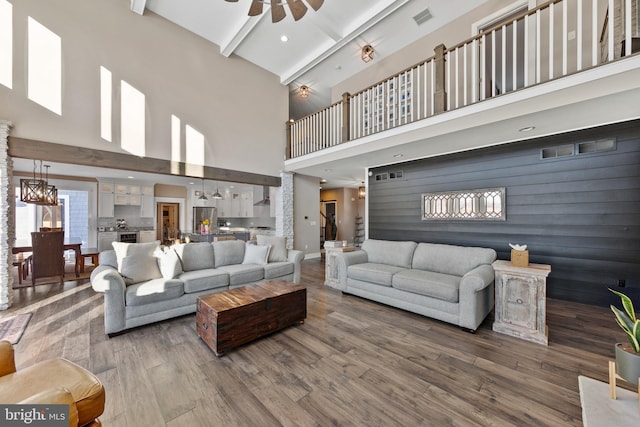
column 483, row 204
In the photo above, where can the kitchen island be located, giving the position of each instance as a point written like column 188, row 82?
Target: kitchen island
column 239, row 235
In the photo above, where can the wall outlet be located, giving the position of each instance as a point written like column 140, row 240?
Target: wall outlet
column 621, row 283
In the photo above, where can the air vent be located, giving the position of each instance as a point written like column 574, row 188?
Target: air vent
column 596, row 146
column 559, row 151
column 423, row 17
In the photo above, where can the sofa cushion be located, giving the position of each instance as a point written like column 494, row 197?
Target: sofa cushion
column 228, row 252
column 195, row 256
column 399, row 254
column 153, row 291
column 435, row 285
column 380, row 274
column 201, row 280
column 277, row 269
column 449, row 259
column 243, row 273
column 278, row 252
column 256, row 254
column 137, row 262
column 170, row 265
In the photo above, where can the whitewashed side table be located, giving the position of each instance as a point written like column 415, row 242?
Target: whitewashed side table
column 521, row 301
column 331, row 268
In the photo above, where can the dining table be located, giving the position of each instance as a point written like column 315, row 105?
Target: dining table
column 70, row 244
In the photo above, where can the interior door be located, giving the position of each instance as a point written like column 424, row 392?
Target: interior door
column 168, row 225
column 329, row 220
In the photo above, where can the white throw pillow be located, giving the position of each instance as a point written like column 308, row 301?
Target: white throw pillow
column 137, row 261
column 170, row 265
column 255, row 254
column 278, row 252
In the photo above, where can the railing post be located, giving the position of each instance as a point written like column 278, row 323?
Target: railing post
column 440, row 93
column 346, row 110
column 287, row 154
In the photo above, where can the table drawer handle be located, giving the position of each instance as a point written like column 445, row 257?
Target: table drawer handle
column 519, row 301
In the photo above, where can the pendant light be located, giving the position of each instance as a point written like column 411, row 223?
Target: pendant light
column 38, row 191
column 202, row 195
column 217, row 194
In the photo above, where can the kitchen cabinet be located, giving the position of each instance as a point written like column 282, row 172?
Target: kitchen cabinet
column 246, row 204
column 128, row 194
column 521, row 301
column 224, row 207
column 105, row 199
column 145, row 236
column 272, row 205
column 147, row 207
column 105, row 238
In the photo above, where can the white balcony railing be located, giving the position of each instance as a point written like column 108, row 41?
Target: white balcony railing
column 558, row 38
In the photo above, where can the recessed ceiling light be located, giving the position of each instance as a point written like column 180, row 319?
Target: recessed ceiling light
column 192, row 183
column 323, row 181
column 527, row 129
column 399, row 155
column 130, row 177
column 284, row 38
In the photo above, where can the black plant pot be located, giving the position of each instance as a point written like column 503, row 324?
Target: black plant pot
column 627, row 363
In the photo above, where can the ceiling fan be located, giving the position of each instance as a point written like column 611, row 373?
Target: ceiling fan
column 298, row 8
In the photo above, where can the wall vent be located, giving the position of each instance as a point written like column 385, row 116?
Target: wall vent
column 423, row 17
column 596, row 146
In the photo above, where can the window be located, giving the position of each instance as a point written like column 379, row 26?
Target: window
column 483, row 204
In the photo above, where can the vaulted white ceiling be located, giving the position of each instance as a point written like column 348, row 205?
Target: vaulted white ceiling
column 323, row 47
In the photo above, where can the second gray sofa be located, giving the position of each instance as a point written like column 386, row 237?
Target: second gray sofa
column 454, row 284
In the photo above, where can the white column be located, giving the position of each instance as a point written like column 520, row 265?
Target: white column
column 284, row 208
column 7, row 231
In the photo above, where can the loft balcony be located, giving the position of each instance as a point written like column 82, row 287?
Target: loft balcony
column 527, row 65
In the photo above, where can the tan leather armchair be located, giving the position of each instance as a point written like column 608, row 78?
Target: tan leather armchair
column 53, row 381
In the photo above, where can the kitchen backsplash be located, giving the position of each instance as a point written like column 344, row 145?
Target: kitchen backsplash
column 131, row 214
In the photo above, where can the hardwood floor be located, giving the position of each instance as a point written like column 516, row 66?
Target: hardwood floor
column 353, row 362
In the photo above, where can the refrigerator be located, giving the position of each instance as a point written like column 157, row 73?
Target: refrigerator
column 200, row 214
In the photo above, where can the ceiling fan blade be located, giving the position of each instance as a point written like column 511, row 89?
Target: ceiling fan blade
column 298, row 9
column 256, row 8
column 277, row 11
column 315, row 4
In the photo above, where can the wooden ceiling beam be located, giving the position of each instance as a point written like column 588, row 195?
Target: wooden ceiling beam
column 82, row 156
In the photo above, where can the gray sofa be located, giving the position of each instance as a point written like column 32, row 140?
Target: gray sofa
column 454, row 284
column 144, row 284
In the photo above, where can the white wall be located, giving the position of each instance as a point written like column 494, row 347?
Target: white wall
column 306, row 208
column 240, row 108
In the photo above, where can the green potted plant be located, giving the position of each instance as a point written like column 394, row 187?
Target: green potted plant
column 627, row 354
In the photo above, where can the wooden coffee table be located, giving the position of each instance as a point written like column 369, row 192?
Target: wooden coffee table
column 227, row 319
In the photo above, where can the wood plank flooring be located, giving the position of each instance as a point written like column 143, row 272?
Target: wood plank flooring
column 352, row 363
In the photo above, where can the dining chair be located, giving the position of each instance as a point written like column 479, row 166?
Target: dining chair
column 47, row 258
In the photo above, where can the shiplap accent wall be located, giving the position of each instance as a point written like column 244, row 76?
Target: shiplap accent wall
column 580, row 213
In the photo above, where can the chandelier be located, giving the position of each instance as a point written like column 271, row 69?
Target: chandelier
column 37, row 190
column 298, row 8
